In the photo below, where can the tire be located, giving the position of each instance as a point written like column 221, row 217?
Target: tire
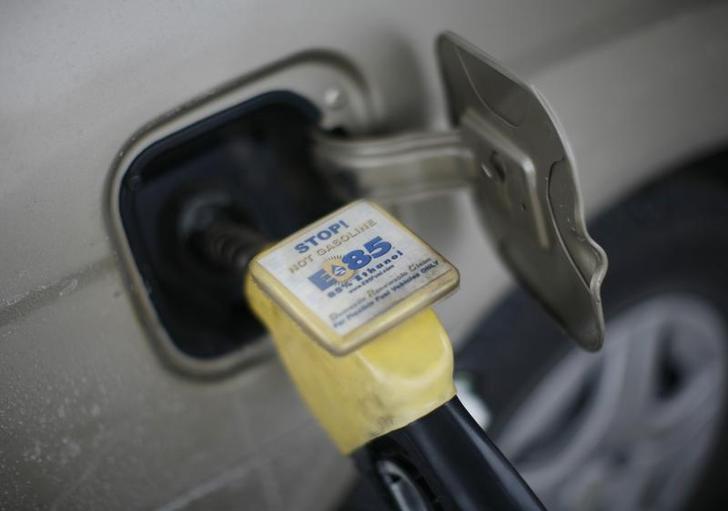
column 670, row 238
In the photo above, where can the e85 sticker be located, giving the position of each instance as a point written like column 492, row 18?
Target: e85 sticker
column 338, row 272
column 351, row 267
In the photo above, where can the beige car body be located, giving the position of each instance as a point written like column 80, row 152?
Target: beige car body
column 91, row 417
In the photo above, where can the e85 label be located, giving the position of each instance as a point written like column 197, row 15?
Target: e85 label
column 356, row 264
column 339, row 270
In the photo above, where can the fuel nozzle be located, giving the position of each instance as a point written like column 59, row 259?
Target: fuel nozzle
column 348, row 304
column 219, row 237
column 227, row 245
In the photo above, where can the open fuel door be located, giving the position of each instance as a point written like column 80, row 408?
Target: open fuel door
column 506, row 145
column 527, row 194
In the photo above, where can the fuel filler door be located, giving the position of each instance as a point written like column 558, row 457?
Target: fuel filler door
column 506, row 145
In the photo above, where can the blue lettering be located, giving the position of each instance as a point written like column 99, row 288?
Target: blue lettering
column 322, row 280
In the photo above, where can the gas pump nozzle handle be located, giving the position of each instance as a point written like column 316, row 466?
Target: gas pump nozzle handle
column 388, row 403
column 444, row 460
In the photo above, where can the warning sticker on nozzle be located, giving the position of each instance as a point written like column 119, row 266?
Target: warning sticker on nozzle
column 354, row 266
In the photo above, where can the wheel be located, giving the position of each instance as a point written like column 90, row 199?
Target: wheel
column 641, row 425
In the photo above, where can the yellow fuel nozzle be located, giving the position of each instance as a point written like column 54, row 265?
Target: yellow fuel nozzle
column 347, row 302
column 383, row 385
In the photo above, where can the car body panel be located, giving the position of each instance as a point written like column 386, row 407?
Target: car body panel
column 89, row 415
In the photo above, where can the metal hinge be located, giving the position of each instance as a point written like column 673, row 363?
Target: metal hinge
column 507, row 148
column 401, row 167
